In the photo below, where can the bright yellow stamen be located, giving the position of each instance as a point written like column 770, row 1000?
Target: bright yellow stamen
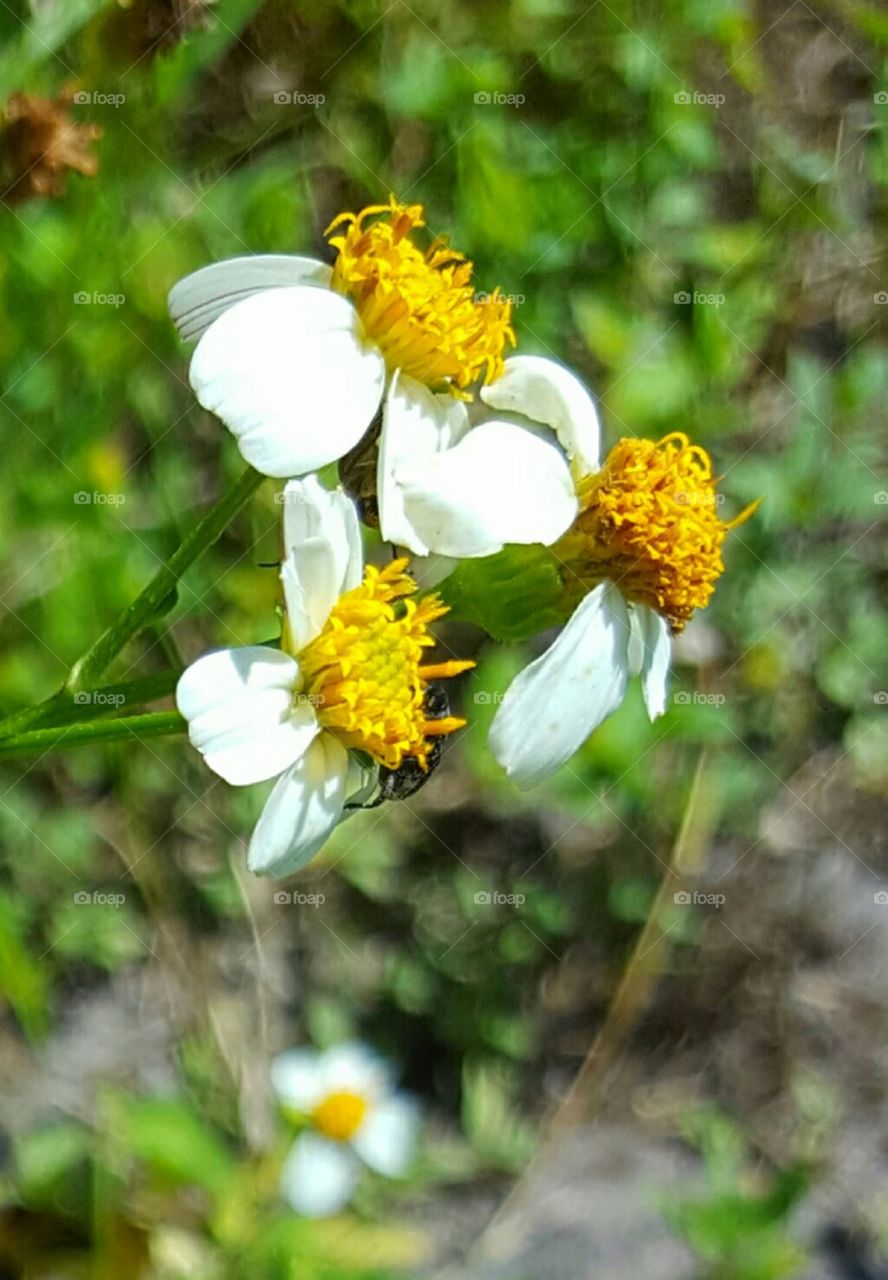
column 649, row 522
column 339, row 1115
column 418, row 305
column 365, row 675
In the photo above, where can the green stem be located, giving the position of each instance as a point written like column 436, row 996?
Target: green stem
column 63, row 707
column 87, row 671
column 152, row 725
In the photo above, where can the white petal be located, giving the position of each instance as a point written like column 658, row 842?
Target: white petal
column 296, row 1078
column 302, row 810
column 356, row 1067
column 416, row 423
column 386, row 1141
column 240, row 712
column 657, row 640
column 200, row 298
column 548, row 392
column 553, row 705
column 289, row 375
column 499, row 484
column 323, row 554
column 319, row 1176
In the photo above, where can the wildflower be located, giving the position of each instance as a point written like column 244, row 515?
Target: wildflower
column 297, row 358
column 40, row 143
column 343, row 696
column 644, row 552
column 350, row 1115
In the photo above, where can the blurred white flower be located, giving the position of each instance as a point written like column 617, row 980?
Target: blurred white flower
column 350, row 677
column 296, row 358
column 353, row 1116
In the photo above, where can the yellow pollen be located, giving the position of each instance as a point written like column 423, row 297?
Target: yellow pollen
column 418, row 305
column 365, row 673
column 339, row 1115
column 649, row 522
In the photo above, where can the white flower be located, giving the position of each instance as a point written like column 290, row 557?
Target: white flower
column 354, row 1117
column 297, row 358
column 350, row 677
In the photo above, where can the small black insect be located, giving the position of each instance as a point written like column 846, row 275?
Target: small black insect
column 406, row 780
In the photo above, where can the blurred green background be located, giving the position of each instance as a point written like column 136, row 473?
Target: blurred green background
column 687, row 201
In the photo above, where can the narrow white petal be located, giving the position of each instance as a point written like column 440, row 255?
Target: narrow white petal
column 240, row 712
column 657, row 640
column 200, row 298
column 553, row 705
column 387, row 1139
column 548, row 392
column 296, row 1078
column 289, row 374
column 319, row 1176
column 302, row 810
column 323, row 554
column 416, row 424
column 499, row 484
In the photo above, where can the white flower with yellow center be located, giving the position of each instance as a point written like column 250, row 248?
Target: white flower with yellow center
column 350, row 677
column 352, row 1116
column 643, row 553
column 297, row 357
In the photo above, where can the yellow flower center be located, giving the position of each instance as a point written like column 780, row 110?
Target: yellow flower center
column 418, row 305
column 649, row 522
column 339, row 1115
column 365, row 673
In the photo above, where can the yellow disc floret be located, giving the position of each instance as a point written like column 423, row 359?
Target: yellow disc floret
column 339, row 1115
column 418, row 304
column 365, row 673
column 649, row 522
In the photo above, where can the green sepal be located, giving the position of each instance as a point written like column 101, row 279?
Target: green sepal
column 513, row 595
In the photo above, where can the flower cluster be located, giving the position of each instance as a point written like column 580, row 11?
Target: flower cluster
column 391, row 365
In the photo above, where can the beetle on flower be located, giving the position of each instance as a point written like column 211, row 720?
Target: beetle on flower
column 644, row 552
column 344, row 694
column 350, row 1115
column 297, row 358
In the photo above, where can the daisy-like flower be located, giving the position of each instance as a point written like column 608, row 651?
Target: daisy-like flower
column 352, row 1116
column 344, row 694
column 297, row 358
column 644, row 552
